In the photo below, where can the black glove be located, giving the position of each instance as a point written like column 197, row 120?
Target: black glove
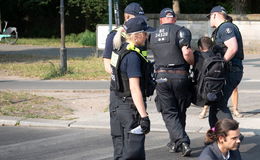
column 145, row 124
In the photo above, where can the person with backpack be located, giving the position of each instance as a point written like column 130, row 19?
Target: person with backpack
column 130, row 121
column 208, row 74
column 170, row 44
column 208, row 77
column 228, row 38
column 205, row 45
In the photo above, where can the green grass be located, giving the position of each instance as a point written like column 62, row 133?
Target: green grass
column 22, row 104
column 43, row 67
column 53, row 42
column 83, row 39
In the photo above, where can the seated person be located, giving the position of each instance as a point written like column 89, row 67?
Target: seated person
column 223, row 141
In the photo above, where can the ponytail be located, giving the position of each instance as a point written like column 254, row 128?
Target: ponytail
column 210, row 137
column 221, row 129
column 229, row 18
column 117, row 40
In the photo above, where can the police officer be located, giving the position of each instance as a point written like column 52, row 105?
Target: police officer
column 227, row 37
column 170, row 45
column 130, row 121
column 113, row 42
column 114, row 38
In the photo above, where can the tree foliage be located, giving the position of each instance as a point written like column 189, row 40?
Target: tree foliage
column 41, row 18
column 34, row 18
column 94, row 11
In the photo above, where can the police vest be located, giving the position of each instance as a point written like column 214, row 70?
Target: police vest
column 165, row 47
column 240, row 51
column 120, row 81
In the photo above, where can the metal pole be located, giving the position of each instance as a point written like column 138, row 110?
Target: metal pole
column 117, row 15
column 110, row 14
column 63, row 51
column 0, row 22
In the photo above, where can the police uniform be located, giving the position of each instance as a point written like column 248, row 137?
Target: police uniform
column 125, row 114
column 109, row 44
column 234, row 70
column 136, row 10
column 128, row 62
column 115, row 123
column 173, row 85
column 121, row 114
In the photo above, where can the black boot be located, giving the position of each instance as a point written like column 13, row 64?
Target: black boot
column 185, row 149
column 172, row 147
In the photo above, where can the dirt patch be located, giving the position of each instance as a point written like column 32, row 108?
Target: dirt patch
column 24, row 104
column 4, row 76
column 83, row 103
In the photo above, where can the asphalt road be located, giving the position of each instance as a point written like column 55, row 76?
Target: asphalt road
column 22, row 143
column 46, row 51
column 52, row 84
column 246, row 85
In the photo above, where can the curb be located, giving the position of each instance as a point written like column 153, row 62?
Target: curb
column 157, row 127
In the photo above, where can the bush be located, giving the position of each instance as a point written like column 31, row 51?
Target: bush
column 72, row 38
column 86, row 38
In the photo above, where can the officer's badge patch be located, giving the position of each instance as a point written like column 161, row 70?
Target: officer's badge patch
column 228, row 30
column 162, row 35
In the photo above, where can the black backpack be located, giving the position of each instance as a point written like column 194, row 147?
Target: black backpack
column 209, row 78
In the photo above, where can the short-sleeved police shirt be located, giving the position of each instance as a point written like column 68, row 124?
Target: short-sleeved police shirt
column 109, row 45
column 131, row 65
column 227, row 31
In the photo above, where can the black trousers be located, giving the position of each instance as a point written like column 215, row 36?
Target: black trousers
column 172, row 100
column 220, row 110
column 124, row 117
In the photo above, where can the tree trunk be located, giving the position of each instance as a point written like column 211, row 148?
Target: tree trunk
column 176, row 6
column 240, row 6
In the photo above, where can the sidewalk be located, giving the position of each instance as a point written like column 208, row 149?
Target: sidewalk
column 249, row 105
column 249, row 124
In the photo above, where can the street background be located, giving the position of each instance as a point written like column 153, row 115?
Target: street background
column 88, row 136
